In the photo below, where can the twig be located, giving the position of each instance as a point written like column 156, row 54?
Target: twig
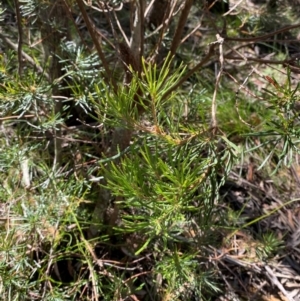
column 28, row 58
column 258, row 60
column 69, row 12
column 148, row 8
column 142, row 25
column 233, row 295
column 18, row 117
column 99, row 126
column 242, row 86
column 91, row 28
column 120, row 28
column 20, row 35
column 51, row 257
column 234, row 275
column 180, row 26
column 233, row 8
column 165, row 24
column 192, row 71
column 192, row 32
column 263, row 37
column 214, row 123
column 275, row 281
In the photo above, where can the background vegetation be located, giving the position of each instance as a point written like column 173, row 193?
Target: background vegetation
column 149, row 150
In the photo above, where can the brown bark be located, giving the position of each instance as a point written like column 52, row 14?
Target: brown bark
column 180, row 26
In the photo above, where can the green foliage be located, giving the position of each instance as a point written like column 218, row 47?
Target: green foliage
column 280, row 128
column 1, row 13
column 184, row 276
column 168, row 222
column 167, row 178
column 270, row 245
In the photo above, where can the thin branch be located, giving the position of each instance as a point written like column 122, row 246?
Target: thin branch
column 165, row 22
column 276, row 282
column 25, row 56
column 92, row 30
column 142, row 25
column 258, row 60
column 120, row 28
column 109, row 21
column 17, row 117
column 20, row 35
column 192, row 71
column 263, row 37
column 161, row 25
column 214, row 99
column 148, row 8
column 180, row 26
column 242, row 86
column 69, row 12
column 192, row 32
column 233, row 8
